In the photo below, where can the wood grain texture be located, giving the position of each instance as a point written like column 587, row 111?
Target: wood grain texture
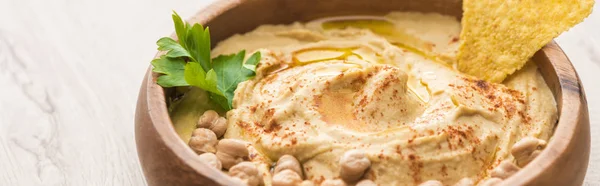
column 70, row 73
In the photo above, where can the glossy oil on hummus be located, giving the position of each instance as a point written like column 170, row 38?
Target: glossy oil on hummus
column 385, row 85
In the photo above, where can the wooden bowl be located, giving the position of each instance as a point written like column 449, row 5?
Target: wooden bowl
column 167, row 160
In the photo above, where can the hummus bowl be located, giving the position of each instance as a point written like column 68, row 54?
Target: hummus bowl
column 167, row 160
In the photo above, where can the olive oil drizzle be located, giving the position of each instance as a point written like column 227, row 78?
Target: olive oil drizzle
column 346, row 53
column 417, row 51
column 382, row 27
column 424, row 99
column 378, row 26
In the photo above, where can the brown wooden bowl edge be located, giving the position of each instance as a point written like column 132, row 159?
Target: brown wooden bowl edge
column 574, row 119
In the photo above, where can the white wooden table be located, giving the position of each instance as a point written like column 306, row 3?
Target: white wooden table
column 70, row 71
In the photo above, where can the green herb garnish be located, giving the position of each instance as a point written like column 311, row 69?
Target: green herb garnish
column 188, row 63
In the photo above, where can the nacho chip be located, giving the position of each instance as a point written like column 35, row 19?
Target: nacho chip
column 499, row 36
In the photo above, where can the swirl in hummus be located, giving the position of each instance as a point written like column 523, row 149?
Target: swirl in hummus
column 324, row 88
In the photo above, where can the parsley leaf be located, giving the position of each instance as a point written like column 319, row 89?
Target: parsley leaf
column 198, row 44
column 231, row 71
column 187, row 62
column 173, row 48
column 221, row 101
column 195, row 76
column 194, row 39
column 180, row 28
column 173, row 68
column 252, row 62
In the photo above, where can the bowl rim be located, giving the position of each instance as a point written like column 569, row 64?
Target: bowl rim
column 570, row 96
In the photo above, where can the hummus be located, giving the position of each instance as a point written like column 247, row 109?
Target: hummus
column 385, row 85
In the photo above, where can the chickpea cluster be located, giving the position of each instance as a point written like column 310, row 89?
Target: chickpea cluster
column 232, row 155
column 227, row 154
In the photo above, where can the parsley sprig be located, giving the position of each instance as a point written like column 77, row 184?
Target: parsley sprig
column 187, row 62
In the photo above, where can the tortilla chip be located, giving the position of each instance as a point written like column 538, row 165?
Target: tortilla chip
column 499, row 36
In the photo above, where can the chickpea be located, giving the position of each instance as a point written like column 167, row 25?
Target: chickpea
column 353, row 165
column 432, row 183
column 504, row 170
column 211, row 120
column 524, row 161
column 227, row 160
column 231, row 152
column 307, row 183
column 247, row 172
column 237, row 180
column 336, row 182
column 465, row 182
column 233, row 146
column 207, row 118
column 211, row 159
column 286, row 177
column 526, row 149
column 203, row 140
column 286, row 162
column 366, row 183
column 219, row 127
column 490, row 182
